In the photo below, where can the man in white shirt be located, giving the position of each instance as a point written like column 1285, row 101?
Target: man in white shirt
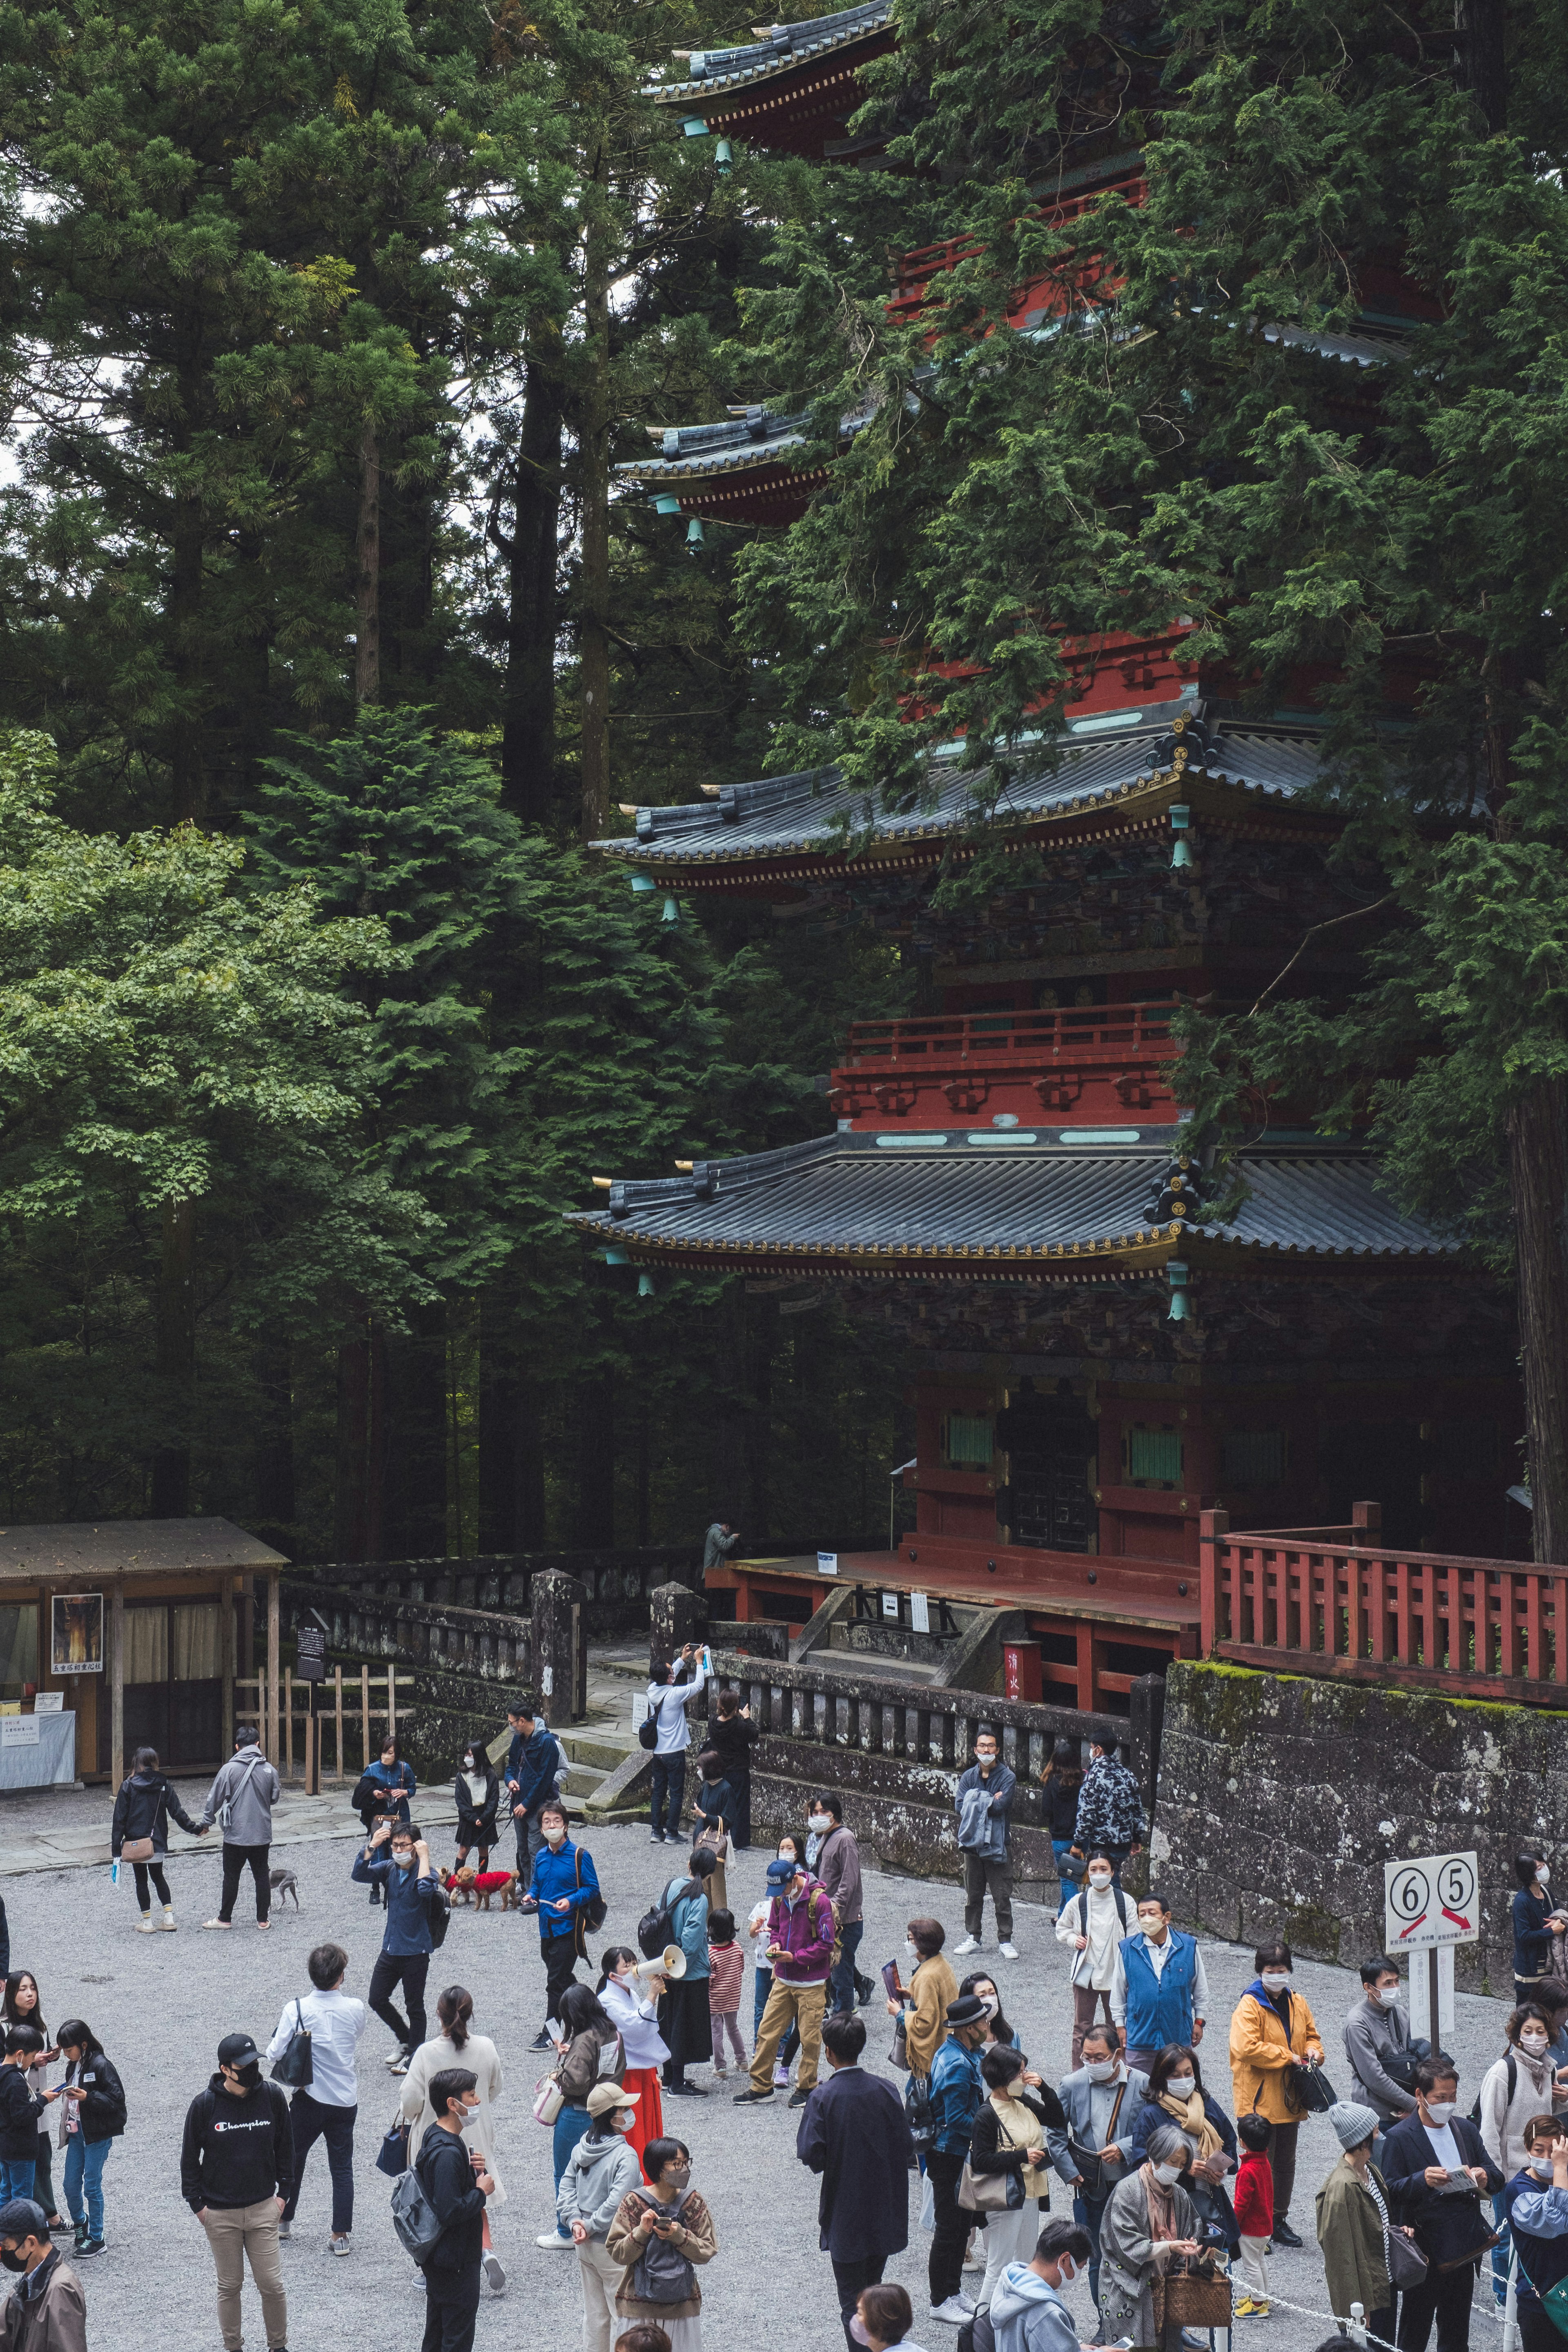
column 667, row 1703
column 327, row 2110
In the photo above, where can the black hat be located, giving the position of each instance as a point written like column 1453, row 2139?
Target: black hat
column 21, row 2217
column 967, row 2009
column 237, row 2050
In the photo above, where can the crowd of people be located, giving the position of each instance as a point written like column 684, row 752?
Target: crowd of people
column 1170, row 2190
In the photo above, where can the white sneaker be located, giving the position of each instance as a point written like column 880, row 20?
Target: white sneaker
column 970, row 1944
column 168, row 1919
column 495, row 2273
column 144, row 1925
column 552, row 2238
column 953, row 2312
column 337, row 2246
column 1008, row 1951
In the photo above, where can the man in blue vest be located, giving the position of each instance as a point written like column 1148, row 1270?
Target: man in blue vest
column 1159, row 1993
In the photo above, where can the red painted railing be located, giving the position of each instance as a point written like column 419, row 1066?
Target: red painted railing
column 1315, row 1600
column 1076, row 1032
column 915, row 270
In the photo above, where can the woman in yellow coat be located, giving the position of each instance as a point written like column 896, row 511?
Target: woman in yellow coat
column 1272, row 2030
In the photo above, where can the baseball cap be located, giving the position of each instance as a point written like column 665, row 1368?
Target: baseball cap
column 21, row 2217
column 781, row 1871
column 237, row 2050
column 603, row 2096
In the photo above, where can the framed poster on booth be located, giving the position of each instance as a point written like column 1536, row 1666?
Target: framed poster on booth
column 76, row 1633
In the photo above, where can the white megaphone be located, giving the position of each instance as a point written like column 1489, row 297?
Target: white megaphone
column 671, row 1962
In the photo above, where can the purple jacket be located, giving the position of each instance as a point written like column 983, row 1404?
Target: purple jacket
column 805, row 1930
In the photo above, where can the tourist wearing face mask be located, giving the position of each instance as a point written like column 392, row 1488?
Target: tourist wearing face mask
column 1177, row 2096
column 1092, row 1927
column 984, row 1796
column 1009, row 2135
column 237, row 2169
column 1537, row 2204
column 398, row 1861
column 457, row 2184
column 1522, row 2083
column 633, row 2002
column 1273, row 2029
column 838, row 1866
column 562, row 1888
column 1354, row 2224
column 1536, row 1920
column 929, row 1993
column 1437, row 2173
column 957, row 2088
column 478, row 1793
column 662, row 2233
column 1027, row 2314
column 1101, row 2101
column 602, row 2171
column 1377, row 2037
column 1149, row 2221
column 48, row 2312
column 854, row 2134
column 1159, row 1993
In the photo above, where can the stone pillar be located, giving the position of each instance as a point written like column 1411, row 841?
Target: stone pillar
column 1146, row 1719
column 675, row 1615
column 559, row 1642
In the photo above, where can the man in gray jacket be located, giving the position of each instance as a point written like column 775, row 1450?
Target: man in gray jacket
column 241, row 1801
column 1374, row 2029
column 983, row 1796
column 1100, row 2101
column 1027, row 2314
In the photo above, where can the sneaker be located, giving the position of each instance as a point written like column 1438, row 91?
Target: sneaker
column 1008, row 1951
column 496, row 2275
column 399, row 2065
column 542, row 2040
column 82, row 2234
column 684, row 2091
column 90, row 2246
column 337, row 2246
column 970, row 1944
column 656, row 1837
column 225, row 1923
column 392, row 2058
column 750, row 2098
column 863, row 1988
column 781, row 2078
column 1196, row 2339
column 168, row 1921
column 144, row 1925
column 1284, row 2235
column 1250, row 2309
column 953, row 2312
column 551, row 2238
column 720, row 2071
column 285, row 2232
column 798, row 2098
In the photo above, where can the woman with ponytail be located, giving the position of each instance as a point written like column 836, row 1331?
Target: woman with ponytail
column 633, row 2002
column 456, row 2044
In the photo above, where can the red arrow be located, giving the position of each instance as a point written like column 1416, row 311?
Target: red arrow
column 1410, row 1929
column 1456, row 1917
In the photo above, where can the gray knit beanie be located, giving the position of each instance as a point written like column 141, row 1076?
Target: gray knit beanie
column 1354, row 2125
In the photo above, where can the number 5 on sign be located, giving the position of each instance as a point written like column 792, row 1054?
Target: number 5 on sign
column 1430, row 1901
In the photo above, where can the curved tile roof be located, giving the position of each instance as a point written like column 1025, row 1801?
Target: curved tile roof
column 1041, row 1197
column 712, row 70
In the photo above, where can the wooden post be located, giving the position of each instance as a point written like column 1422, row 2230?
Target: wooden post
column 391, row 1701
column 287, row 1723
column 230, row 1661
column 364, row 1718
column 273, row 1666
column 117, row 1683
column 338, row 1697
column 1212, row 1529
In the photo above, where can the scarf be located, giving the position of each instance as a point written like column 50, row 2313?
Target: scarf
column 1162, row 2205
column 1193, row 2119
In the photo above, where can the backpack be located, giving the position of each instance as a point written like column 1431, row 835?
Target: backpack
column 593, row 1912
column 250, row 1757
column 1512, row 2066
column 977, row 2335
column 918, row 2109
column 656, row 1928
column 647, row 1729
column 414, row 2217
column 1081, row 1899
column 438, row 1914
column 661, row 2273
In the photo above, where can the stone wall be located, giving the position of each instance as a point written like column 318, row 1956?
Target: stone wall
column 1281, row 1798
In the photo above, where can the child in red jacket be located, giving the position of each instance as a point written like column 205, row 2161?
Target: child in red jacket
column 1254, row 2201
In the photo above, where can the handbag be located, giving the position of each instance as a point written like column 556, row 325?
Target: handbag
column 1407, row 2265
column 1308, row 2090
column 548, row 2100
column 1486, row 2239
column 1194, row 2293
column 137, row 1850
column 392, row 2155
column 899, row 2055
column 991, row 2192
column 1088, row 2159
column 296, row 2069
column 592, row 1913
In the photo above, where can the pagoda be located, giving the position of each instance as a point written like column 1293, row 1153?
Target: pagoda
column 1107, row 1333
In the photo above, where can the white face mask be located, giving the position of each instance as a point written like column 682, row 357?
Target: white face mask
column 625, row 2121
column 1101, row 2070
column 984, row 1759
column 1389, row 1996
column 1166, row 2173
column 1541, row 2167
column 1154, row 1928
column 820, row 1822
column 1276, row 1980
column 1441, row 2109
column 1066, row 2270
column 555, row 1837
column 1545, row 1875
column 1535, row 2043
column 1181, row 2087
column 1099, row 1877
column 990, row 2003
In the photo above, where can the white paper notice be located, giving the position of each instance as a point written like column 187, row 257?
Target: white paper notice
column 827, row 1563
column 18, row 1731
column 920, row 1612
column 49, row 1703
column 889, row 1604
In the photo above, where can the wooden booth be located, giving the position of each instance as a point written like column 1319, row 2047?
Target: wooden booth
column 137, row 1630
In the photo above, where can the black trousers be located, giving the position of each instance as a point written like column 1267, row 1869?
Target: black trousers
column 1445, row 2295
column 235, row 1858
column 310, row 2120
column 1536, row 2332
column 154, row 1871
column 409, row 1969
column 451, row 2307
column 945, row 2269
column 850, row 2278
column 1282, row 2140
column 741, row 1828
column 559, row 1954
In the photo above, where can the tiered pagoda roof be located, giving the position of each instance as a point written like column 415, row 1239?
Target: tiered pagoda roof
column 793, row 89
column 740, row 470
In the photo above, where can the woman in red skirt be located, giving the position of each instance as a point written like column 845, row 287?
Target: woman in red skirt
column 633, row 2002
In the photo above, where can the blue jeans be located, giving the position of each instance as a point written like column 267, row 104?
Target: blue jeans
column 17, row 2178
column 1088, row 2212
column 1070, row 1871
column 310, row 2120
column 570, row 2125
column 84, row 2164
column 842, row 1982
column 668, row 1793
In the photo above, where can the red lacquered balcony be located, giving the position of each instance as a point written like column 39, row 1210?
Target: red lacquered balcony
column 1096, row 1064
column 917, row 272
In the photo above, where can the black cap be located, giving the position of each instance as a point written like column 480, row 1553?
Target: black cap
column 21, row 2217
column 967, row 2009
column 237, row 2050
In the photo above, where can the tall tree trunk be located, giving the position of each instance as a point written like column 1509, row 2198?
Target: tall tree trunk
column 528, row 720
column 596, row 1459
column 593, row 660
column 415, row 1444
column 1537, row 1180
column 352, row 1431
column 1482, row 58
column 177, row 1357
column 367, row 594
column 275, row 1437
column 187, row 769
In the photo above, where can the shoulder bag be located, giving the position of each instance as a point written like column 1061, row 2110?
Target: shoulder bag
column 593, row 1912
column 296, row 2070
column 548, row 2098
column 392, row 2155
column 1307, row 2090
column 226, row 1811
column 1407, row 2265
column 1088, row 2159
column 991, row 2192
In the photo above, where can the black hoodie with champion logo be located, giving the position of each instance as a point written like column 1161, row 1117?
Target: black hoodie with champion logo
column 237, row 2150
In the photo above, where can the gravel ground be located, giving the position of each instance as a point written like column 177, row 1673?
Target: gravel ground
column 161, row 2003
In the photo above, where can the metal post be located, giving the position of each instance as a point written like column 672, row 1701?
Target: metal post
column 1432, row 2008
column 273, row 1666
column 313, row 1743
column 338, row 1697
column 364, row 1718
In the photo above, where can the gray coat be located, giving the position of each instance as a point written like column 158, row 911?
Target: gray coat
column 1129, row 2259
column 249, row 1784
column 1370, row 2032
column 599, row 2173
column 1087, row 2105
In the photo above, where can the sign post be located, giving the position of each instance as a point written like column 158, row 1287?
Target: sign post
column 310, row 1663
column 1431, row 1904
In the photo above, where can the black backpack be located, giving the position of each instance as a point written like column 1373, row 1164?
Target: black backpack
column 656, row 1930
column 437, row 1915
column 917, row 2107
column 1512, row 2085
column 977, row 2335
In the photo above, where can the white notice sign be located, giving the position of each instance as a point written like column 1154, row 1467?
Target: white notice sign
column 19, row 1730
column 827, row 1563
column 889, row 1604
column 48, row 1703
column 1431, row 1901
column 920, row 1612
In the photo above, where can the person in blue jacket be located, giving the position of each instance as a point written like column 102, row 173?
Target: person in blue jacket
column 1427, row 2158
column 561, row 1884
column 533, row 1768
column 1159, row 1993
column 1537, row 2201
column 957, row 2088
column 1176, row 2095
column 1535, row 1920
column 397, row 1860
column 386, row 1792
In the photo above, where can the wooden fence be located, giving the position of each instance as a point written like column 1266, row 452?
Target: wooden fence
column 347, row 1719
column 1332, row 1600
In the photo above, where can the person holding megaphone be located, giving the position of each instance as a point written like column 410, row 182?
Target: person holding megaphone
column 630, row 1989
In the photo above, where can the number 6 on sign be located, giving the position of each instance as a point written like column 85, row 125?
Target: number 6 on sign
column 1431, row 1901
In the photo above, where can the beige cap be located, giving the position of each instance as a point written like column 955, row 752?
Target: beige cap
column 605, row 2095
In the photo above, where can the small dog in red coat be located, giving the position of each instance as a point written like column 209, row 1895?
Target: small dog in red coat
column 477, row 1886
